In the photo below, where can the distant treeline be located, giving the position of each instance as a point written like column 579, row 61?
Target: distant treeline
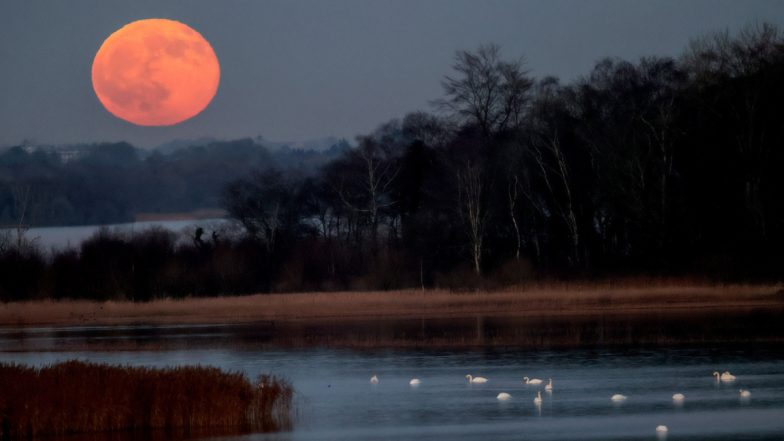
column 664, row 166
column 110, row 183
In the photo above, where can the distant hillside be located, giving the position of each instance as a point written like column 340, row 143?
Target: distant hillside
column 111, row 182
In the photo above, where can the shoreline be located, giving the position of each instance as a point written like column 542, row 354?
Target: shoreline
column 545, row 317
column 536, row 317
column 548, row 301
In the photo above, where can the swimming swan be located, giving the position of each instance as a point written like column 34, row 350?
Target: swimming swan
column 678, row 397
column 726, row 376
column 661, row 429
column 503, row 396
column 549, row 386
column 414, row 382
column 618, row 397
column 476, row 379
column 532, row 380
column 374, row 380
column 538, row 399
column 745, row 393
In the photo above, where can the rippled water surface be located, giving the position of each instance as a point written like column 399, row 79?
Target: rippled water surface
column 335, row 400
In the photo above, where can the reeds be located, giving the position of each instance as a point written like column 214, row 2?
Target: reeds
column 613, row 296
column 78, row 397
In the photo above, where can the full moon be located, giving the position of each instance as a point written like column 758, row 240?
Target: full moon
column 155, row 72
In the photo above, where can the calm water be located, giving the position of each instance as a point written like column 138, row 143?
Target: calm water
column 63, row 237
column 335, row 400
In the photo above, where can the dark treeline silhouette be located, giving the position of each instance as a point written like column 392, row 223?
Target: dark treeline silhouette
column 663, row 166
column 110, row 183
column 143, row 266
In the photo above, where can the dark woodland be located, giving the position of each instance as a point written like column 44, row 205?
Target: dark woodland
column 661, row 166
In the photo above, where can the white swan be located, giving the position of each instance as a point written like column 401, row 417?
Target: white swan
column 549, row 386
column 745, row 393
column 476, row 379
column 503, row 396
column 414, row 382
column 538, row 399
column 726, row 376
column 661, row 428
column 618, row 397
column 374, row 380
column 532, row 380
column 678, row 397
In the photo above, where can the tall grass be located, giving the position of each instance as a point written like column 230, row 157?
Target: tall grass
column 77, row 397
column 554, row 298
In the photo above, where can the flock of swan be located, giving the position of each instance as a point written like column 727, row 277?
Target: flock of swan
column 505, row 396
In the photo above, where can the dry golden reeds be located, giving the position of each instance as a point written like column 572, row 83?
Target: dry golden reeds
column 546, row 299
column 78, row 397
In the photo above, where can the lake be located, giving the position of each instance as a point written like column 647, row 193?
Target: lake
column 63, row 237
column 335, row 400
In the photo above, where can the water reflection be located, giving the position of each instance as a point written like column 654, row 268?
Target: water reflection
column 632, row 330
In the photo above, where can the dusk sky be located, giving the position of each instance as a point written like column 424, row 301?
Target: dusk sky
column 298, row 70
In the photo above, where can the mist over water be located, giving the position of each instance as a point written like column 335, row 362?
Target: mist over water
column 335, row 400
column 72, row 236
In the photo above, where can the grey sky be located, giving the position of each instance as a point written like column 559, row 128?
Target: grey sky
column 296, row 70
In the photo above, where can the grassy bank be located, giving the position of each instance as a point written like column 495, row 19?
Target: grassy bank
column 76, row 397
column 630, row 313
column 574, row 299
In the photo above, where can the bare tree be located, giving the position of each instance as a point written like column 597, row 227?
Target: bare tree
column 264, row 205
column 512, row 191
column 429, row 129
column 486, row 90
column 664, row 80
column 470, row 188
column 21, row 198
column 718, row 57
column 722, row 55
column 554, row 172
column 545, row 150
column 364, row 185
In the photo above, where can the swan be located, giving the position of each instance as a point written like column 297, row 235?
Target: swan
column 549, row 386
column 661, row 428
column 374, row 379
column 618, row 397
column 476, row 379
column 745, row 393
column 538, row 399
column 503, row 396
column 414, row 382
column 532, row 380
column 726, row 376
column 678, row 397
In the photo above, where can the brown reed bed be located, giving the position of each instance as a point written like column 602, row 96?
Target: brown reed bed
column 75, row 397
column 619, row 312
column 552, row 298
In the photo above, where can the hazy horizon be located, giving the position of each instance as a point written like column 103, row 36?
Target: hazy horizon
column 295, row 71
column 313, row 144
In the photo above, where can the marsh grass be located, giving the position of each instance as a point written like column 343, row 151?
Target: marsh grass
column 618, row 312
column 549, row 298
column 75, row 397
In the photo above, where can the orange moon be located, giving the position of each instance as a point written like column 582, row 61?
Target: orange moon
column 155, row 72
